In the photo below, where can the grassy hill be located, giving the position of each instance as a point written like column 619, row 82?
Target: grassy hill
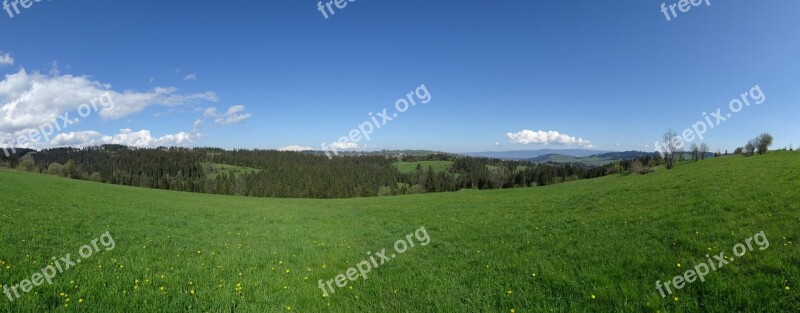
column 596, row 245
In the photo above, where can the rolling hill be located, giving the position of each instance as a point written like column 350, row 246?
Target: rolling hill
column 595, row 245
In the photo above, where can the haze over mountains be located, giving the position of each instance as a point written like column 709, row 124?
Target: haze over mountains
column 529, row 154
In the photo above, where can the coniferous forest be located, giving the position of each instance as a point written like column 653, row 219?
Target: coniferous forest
column 269, row 173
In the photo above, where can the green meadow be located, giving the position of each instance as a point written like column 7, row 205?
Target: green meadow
column 595, row 245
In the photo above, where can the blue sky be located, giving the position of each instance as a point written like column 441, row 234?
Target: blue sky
column 277, row 73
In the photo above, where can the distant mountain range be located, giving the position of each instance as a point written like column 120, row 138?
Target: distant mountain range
column 577, row 156
column 529, row 154
column 593, row 160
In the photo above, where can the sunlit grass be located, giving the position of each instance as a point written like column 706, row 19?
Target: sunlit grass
column 593, row 245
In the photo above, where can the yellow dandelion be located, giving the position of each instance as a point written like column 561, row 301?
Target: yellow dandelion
column 288, row 270
column 594, row 297
column 288, row 308
column 80, row 300
column 679, row 265
column 533, row 274
column 676, row 298
column 191, row 291
column 787, row 287
column 509, row 292
column 512, row 311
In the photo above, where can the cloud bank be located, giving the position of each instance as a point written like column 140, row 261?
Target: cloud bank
column 526, row 137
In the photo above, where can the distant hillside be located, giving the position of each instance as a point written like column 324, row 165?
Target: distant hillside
column 528, row 154
column 593, row 160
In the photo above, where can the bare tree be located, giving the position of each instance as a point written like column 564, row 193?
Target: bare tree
column 695, row 152
column 749, row 148
column 670, row 147
column 703, row 151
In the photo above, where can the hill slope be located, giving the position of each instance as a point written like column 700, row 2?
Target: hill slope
column 593, row 245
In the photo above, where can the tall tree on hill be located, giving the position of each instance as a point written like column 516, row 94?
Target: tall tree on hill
column 670, row 148
column 749, row 148
column 763, row 142
column 703, row 151
column 695, row 152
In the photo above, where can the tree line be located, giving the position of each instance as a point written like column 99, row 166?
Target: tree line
column 269, row 173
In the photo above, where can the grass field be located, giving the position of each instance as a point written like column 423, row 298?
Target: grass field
column 594, row 245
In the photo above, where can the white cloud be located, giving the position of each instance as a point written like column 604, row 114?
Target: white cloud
column 6, row 59
column 75, row 139
column 197, row 124
column 54, row 71
column 190, row 77
column 29, row 100
column 232, row 116
column 140, row 139
column 343, row 145
column 526, row 137
column 210, row 112
column 295, row 148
